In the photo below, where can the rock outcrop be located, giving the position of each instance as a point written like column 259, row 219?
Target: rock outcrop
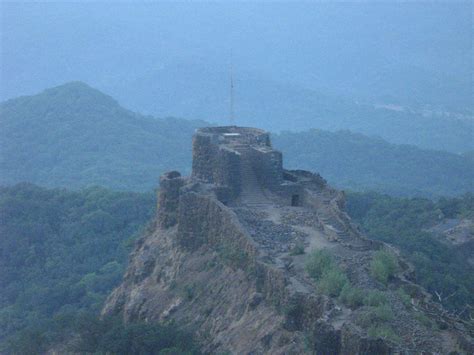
column 225, row 259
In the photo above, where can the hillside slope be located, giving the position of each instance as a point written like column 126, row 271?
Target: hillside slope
column 436, row 236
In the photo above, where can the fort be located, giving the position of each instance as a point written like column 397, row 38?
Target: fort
column 244, row 168
column 238, row 158
column 238, row 167
column 226, row 260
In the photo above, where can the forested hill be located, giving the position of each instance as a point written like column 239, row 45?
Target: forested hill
column 74, row 136
column 358, row 162
column 61, row 254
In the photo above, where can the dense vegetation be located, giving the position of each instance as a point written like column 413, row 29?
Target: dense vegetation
column 61, row 253
column 358, row 162
column 85, row 333
column 74, row 136
column 444, row 269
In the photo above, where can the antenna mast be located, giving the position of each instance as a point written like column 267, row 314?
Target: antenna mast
column 231, row 116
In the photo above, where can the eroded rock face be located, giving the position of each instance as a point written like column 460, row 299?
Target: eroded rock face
column 221, row 262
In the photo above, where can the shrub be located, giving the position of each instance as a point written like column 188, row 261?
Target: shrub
column 142, row 338
column 375, row 298
column 318, row 262
column 384, row 332
column 28, row 341
column 423, row 319
column 375, row 316
column 352, row 297
column 298, row 249
column 189, row 291
column 174, row 351
column 383, row 313
column 404, row 297
column 332, row 282
column 383, row 266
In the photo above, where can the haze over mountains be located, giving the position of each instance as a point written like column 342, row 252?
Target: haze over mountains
column 74, row 136
column 325, row 66
column 191, row 90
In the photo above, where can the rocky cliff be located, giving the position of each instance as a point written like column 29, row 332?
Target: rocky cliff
column 225, row 258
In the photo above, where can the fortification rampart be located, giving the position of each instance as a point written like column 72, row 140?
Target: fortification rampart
column 168, row 198
column 268, row 166
column 203, row 221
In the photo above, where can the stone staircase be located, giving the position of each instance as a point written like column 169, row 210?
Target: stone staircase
column 252, row 194
column 337, row 227
column 345, row 236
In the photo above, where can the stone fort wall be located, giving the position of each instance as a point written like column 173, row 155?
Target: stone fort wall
column 214, row 164
column 218, row 154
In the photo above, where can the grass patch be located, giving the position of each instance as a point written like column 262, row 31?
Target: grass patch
column 383, row 266
column 321, row 267
column 425, row 320
column 404, row 297
column 375, row 316
column 332, row 282
column 384, row 332
column 318, row 262
column 352, row 297
column 375, row 298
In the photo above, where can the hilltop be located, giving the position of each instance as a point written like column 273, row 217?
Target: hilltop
column 73, row 136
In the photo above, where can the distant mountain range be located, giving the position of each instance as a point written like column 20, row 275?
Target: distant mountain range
column 199, row 91
column 411, row 54
column 74, row 136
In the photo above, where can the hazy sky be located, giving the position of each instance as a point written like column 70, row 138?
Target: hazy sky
column 337, row 47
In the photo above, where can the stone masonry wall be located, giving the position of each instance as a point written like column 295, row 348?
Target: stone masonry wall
column 214, row 164
column 205, row 221
column 227, row 170
column 268, row 166
column 168, row 199
column 204, row 154
column 202, row 219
